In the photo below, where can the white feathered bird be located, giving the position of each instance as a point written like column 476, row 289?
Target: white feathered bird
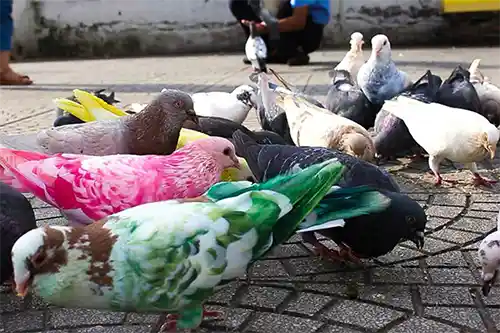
column 353, row 60
column 256, row 50
column 447, row 133
column 489, row 257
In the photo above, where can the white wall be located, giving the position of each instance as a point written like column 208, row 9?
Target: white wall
column 138, row 27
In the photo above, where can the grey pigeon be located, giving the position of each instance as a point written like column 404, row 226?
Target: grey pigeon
column 346, row 99
column 379, row 77
column 489, row 94
column 16, row 219
column 256, row 50
column 155, row 130
column 392, row 137
column 403, row 219
column 458, row 92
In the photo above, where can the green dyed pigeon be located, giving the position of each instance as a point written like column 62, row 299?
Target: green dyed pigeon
column 171, row 256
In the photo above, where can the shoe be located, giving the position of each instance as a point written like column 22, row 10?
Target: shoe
column 300, row 59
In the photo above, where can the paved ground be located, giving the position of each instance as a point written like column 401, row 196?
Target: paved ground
column 434, row 290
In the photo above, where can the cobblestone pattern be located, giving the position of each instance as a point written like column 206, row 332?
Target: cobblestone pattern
column 433, row 290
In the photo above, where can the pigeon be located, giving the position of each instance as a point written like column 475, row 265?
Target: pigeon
column 270, row 115
column 233, row 106
column 269, row 161
column 488, row 93
column 256, row 50
column 379, row 77
column 447, row 133
column 16, row 219
column 346, row 99
column 392, row 137
column 172, row 256
column 88, row 188
column 489, row 257
column 154, row 130
column 458, row 92
column 314, row 126
column 65, row 118
column 353, row 60
column 225, row 128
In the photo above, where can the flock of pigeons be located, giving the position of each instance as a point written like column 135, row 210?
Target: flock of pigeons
column 170, row 200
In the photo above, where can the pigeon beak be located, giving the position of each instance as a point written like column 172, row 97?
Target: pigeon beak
column 488, row 284
column 22, row 288
column 237, row 164
column 418, row 239
column 193, row 116
column 492, row 151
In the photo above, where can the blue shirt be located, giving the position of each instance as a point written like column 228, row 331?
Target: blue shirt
column 318, row 9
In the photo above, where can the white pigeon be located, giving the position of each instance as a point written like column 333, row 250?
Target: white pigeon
column 311, row 125
column 233, row 106
column 256, row 50
column 489, row 94
column 353, row 60
column 447, row 133
column 489, row 257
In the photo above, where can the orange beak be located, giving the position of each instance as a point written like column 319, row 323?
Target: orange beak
column 22, row 288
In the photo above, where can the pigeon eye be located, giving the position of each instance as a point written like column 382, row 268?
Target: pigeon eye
column 226, row 151
column 179, row 104
column 410, row 219
column 385, row 42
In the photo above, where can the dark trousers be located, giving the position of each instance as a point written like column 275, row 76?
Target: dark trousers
column 6, row 25
column 308, row 39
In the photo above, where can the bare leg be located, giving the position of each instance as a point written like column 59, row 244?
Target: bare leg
column 478, row 179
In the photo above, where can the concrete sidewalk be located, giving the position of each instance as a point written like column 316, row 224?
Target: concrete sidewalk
column 435, row 290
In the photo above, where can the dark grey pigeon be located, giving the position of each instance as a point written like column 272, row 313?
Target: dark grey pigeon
column 392, row 137
column 458, row 92
column 399, row 223
column 346, row 99
column 16, row 219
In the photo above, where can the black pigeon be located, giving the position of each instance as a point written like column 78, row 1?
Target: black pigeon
column 268, row 161
column 222, row 127
column 16, row 219
column 392, row 137
column 458, row 92
column 346, row 99
column 65, row 118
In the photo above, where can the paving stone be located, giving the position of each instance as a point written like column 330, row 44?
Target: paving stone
column 269, row 322
column 308, row 304
column 226, row 294
column 456, row 236
column 450, row 200
column 37, row 203
column 400, row 253
column 141, row 318
column 264, row 297
column 288, row 250
column 268, row 269
column 436, row 222
column 481, row 214
column 392, row 295
column 444, row 211
column 337, row 329
column 373, row 317
column 74, row 317
column 486, row 207
column 116, row 329
column 418, row 196
column 10, row 303
column 452, row 275
column 467, row 317
column 445, row 295
column 52, row 221
column 448, row 259
column 432, row 245
column 23, row 321
column 398, row 275
column 483, row 197
column 232, row 319
column 422, row 325
column 310, row 265
column 495, row 316
column 474, row 225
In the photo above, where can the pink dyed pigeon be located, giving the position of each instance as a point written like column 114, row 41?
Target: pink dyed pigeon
column 88, row 188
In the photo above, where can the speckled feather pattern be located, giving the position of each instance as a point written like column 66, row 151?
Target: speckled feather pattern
column 88, row 188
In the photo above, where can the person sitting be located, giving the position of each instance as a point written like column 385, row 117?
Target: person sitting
column 300, row 23
column 7, row 74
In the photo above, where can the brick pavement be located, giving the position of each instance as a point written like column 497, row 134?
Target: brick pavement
column 430, row 290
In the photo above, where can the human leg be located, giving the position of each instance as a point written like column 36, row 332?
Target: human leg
column 7, row 75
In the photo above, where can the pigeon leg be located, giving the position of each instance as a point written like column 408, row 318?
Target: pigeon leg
column 170, row 324
column 434, row 165
column 321, row 250
column 478, row 179
column 347, row 253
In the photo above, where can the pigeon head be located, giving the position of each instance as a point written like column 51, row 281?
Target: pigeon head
column 175, row 105
column 39, row 251
column 358, row 145
column 247, row 95
column 356, row 41
column 381, row 47
column 489, row 257
column 222, row 150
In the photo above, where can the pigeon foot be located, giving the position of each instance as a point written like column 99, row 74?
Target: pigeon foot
column 347, row 253
column 479, row 180
column 170, row 325
column 328, row 254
